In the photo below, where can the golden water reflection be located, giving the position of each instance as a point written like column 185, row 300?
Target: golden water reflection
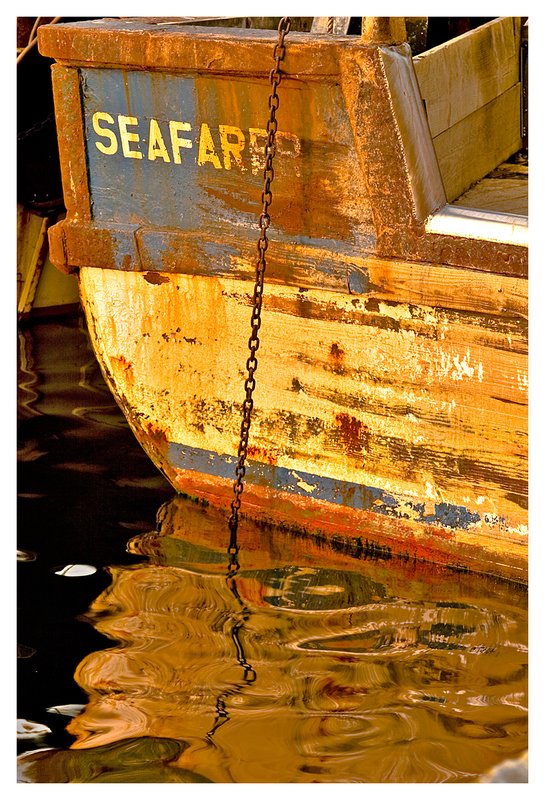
column 307, row 665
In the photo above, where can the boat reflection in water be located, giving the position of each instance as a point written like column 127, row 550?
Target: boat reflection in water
column 307, row 664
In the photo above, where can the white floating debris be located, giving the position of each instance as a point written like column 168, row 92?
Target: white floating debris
column 68, row 710
column 513, row 770
column 31, row 730
column 76, row 570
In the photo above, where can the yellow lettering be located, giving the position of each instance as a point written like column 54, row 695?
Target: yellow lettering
column 207, row 151
column 128, row 136
column 225, row 155
column 232, row 149
column 178, row 141
column 156, row 146
column 257, row 150
column 102, row 116
column 288, row 145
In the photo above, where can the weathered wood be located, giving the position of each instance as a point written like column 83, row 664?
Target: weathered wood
column 504, row 189
column 31, row 254
column 376, row 394
column 375, row 142
column 478, row 143
column 460, row 76
column 470, row 88
column 71, row 142
column 39, row 284
column 135, row 43
column 383, row 30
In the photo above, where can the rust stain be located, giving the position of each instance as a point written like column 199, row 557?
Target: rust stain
column 336, row 352
column 336, row 359
column 156, row 435
column 156, row 278
column 261, row 454
column 120, row 362
column 353, row 433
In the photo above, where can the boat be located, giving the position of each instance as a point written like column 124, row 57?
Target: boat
column 390, row 403
column 41, row 289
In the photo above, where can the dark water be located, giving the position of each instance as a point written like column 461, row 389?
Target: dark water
column 304, row 665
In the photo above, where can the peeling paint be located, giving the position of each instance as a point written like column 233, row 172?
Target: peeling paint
column 447, row 515
column 459, row 367
column 522, row 381
column 306, row 487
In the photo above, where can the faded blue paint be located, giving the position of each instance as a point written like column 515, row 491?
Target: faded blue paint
column 358, row 281
column 217, row 196
column 345, row 493
column 123, row 247
column 219, row 257
column 452, row 516
column 138, row 190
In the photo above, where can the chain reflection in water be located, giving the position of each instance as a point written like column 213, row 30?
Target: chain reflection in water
column 249, row 675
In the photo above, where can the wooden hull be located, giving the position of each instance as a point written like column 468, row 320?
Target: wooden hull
column 396, row 421
column 391, row 400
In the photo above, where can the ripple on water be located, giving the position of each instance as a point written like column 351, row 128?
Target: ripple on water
column 303, row 674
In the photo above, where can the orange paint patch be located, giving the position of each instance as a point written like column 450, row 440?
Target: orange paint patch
column 120, row 362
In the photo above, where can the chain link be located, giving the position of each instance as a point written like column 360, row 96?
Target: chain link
column 275, row 77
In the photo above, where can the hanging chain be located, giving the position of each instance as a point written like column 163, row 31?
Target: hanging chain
column 262, row 245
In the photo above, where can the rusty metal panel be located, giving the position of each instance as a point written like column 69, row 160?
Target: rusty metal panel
column 174, row 117
column 71, row 140
column 187, row 152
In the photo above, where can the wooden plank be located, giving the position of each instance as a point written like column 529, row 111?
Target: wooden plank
column 223, row 254
column 137, row 44
column 478, row 143
column 504, row 189
column 31, row 254
column 460, row 76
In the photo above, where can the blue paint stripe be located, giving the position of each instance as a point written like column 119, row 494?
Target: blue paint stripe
column 354, row 495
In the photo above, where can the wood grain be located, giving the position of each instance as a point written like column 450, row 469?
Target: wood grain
column 480, row 142
column 464, row 74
